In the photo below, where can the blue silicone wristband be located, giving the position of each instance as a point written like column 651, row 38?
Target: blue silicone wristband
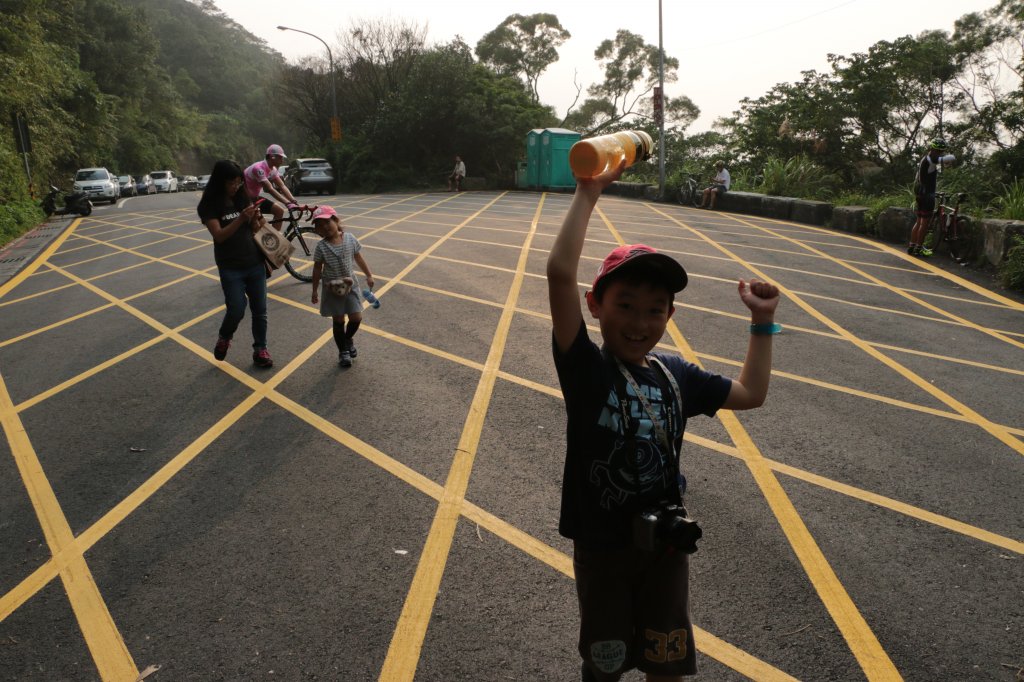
column 765, row 329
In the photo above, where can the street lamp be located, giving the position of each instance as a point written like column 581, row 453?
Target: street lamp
column 335, row 125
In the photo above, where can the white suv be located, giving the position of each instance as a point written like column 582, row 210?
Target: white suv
column 98, row 183
column 164, row 181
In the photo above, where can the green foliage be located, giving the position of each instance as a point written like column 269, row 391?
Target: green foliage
column 797, row 177
column 630, row 69
column 1010, row 204
column 1011, row 272
column 525, row 45
column 18, row 217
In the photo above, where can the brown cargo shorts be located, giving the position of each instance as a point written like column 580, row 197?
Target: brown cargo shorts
column 634, row 611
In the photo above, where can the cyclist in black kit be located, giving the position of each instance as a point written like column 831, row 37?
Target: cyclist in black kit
column 924, row 194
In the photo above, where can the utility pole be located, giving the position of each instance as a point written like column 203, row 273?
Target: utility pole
column 661, row 110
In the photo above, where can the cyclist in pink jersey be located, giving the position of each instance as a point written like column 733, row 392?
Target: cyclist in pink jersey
column 264, row 176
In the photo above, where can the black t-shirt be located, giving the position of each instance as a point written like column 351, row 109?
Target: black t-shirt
column 610, row 475
column 239, row 251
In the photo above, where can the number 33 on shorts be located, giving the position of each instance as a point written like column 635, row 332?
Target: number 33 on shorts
column 662, row 648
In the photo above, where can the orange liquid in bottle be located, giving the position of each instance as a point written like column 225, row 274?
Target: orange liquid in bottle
column 593, row 156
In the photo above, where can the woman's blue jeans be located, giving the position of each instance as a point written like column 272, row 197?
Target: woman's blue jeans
column 238, row 285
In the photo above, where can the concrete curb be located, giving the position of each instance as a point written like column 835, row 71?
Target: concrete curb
column 22, row 252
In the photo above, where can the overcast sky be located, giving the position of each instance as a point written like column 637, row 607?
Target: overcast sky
column 726, row 50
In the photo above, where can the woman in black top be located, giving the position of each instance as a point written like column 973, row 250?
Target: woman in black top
column 229, row 215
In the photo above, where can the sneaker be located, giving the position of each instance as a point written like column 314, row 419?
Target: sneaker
column 220, row 351
column 261, row 358
column 912, row 249
column 344, row 359
column 924, row 253
column 352, row 349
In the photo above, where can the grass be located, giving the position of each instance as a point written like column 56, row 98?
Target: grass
column 1011, row 272
column 1010, row 204
column 17, row 218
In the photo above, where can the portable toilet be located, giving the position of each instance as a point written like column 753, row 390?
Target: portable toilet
column 533, row 157
column 555, row 172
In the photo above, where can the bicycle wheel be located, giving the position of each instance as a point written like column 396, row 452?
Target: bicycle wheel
column 688, row 195
column 958, row 224
column 696, row 195
column 934, row 232
column 300, row 265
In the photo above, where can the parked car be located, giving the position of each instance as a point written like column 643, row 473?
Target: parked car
column 189, row 183
column 201, row 181
column 98, row 183
column 144, row 185
column 164, row 181
column 126, row 184
column 310, row 175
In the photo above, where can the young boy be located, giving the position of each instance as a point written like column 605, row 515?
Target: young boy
column 622, row 488
column 332, row 262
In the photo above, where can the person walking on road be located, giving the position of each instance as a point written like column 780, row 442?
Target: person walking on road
column 227, row 212
column 335, row 285
column 622, row 488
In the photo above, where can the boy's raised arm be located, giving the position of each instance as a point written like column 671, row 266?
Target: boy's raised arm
column 751, row 388
column 564, row 259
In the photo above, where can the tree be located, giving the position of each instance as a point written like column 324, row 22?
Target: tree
column 630, row 74
column 523, row 46
column 992, row 85
column 447, row 104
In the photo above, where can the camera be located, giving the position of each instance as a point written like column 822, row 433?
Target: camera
column 666, row 524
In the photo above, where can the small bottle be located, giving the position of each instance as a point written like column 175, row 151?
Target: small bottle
column 593, row 156
column 373, row 301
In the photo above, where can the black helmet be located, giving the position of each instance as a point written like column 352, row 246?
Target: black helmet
column 938, row 144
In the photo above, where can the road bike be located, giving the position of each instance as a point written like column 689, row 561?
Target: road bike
column 303, row 237
column 690, row 192
column 947, row 224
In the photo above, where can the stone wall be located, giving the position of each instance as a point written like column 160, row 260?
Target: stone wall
column 988, row 239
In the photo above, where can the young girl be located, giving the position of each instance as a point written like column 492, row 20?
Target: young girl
column 230, row 217
column 332, row 261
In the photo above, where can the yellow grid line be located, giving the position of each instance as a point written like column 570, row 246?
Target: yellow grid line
column 713, row 646
column 407, row 642
column 974, row 417
column 431, row 349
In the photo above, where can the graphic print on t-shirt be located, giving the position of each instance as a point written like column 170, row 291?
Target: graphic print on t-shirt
column 636, row 464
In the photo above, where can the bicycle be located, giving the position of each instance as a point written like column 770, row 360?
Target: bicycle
column 304, row 237
column 947, row 223
column 690, row 192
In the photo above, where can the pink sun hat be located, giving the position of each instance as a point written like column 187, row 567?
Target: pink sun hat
column 323, row 212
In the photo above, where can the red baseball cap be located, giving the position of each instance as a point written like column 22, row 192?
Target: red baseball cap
column 643, row 256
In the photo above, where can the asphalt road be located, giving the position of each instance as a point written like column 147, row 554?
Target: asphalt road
column 398, row 519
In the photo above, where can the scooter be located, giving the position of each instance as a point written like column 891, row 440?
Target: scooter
column 77, row 203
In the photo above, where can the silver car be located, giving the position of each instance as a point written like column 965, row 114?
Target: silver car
column 164, row 181
column 98, row 183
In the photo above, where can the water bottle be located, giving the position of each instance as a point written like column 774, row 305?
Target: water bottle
column 371, row 299
column 591, row 157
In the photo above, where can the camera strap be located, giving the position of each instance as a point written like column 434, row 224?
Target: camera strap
column 659, row 429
